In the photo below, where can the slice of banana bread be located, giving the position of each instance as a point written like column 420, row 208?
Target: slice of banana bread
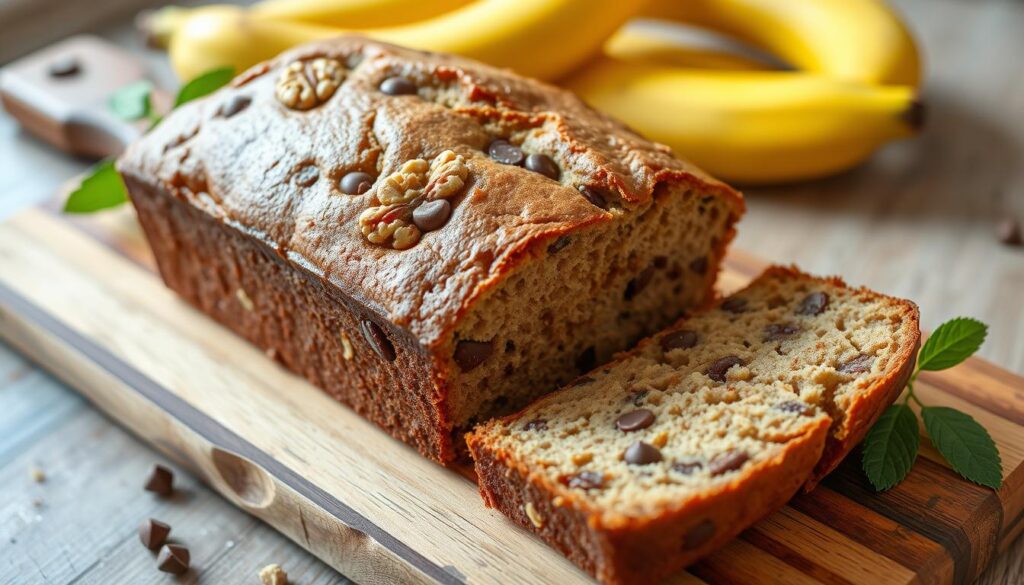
column 430, row 240
column 643, row 466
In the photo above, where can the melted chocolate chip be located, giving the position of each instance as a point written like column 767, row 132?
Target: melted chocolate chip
column 506, row 153
column 734, row 305
column 559, row 244
column 537, row 424
column 542, row 163
column 728, row 461
column 307, row 175
column 861, row 363
column 470, row 354
column 634, row 286
column 398, row 86
column 717, row 370
column 587, row 360
column 687, row 467
column 355, row 183
column 586, row 480
column 682, row 339
column 234, row 105
column 432, row 215
column 777, row 331
column 634, row 421
column 637, row 397
column 700, row 265
column 660, row 262
column 813, row 304
column 379, row 342
column 794, row 407
column 699, row 535
column 593, row 196
column 641, row 453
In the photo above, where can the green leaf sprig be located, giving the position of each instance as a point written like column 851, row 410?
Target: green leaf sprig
column 890, row 447
column 102, row 187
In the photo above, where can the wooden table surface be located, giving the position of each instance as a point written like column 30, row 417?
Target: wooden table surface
column 916, row 222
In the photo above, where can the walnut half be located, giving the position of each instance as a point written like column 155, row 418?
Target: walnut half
column 303, row 85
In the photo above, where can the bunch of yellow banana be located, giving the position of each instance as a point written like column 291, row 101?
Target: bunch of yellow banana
column 853, row 89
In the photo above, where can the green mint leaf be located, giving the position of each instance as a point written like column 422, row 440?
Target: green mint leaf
column 132, row 102
column 965, row 444
column 206, row 83
column 953, row 342
column 101, row 189
column 891, row 447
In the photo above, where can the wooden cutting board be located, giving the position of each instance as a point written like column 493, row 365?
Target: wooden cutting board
column 80, row 296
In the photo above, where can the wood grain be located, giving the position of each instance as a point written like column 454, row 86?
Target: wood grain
column 380, row 513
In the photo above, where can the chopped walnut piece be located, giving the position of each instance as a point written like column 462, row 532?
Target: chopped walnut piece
column 303, row 85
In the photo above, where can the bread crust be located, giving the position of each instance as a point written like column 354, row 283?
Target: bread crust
column 231, row 189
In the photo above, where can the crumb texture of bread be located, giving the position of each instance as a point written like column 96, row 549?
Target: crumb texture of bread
column 370, row 174
column 651, row 462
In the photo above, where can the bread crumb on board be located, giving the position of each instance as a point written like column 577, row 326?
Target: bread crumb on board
column 273, row 574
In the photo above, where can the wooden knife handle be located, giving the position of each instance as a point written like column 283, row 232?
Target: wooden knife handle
column 62, row 93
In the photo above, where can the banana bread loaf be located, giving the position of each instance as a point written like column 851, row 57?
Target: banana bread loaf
column 643, row 466
column 430, row 240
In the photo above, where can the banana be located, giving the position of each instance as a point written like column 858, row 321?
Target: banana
column 537, row 38
column 161, row 24
column 631, row 44
column 752, row 127
column 853, row 40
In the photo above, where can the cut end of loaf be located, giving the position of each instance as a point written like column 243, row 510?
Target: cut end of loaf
column 780, row 379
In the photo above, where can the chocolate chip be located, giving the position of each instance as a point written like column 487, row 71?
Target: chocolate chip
column 582, row 381
column 542, row 163
column 699, row 535
column 398, row 86
column 637, row 397
column 307, row 175
column 794, row 407
column 432, row 215
column 857, row 365
column 660, row 262
column 153, row 533
column 734, row 305
column 640, row 453
column 379, row 342
column 777, row 331
column 160, row 481
column 682, row 339
column 634, row 421
column 537, row 424
column 64, row 67
column 173, row 559
column 687, row 467
column 505, row 152
column 634, row 286
column 559, row 244
column 813, row 304
column 587, row 360
column 700, row 265
column 234, row 105
column 1009, row 232
column 586, row 480
column 593, row 196
column 470, row 354
column 717, row 370
column 728, row 461
column 356, row 183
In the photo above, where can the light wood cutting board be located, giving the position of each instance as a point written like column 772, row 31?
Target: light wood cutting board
column 80, row 296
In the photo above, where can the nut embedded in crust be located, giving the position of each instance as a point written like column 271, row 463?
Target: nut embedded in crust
column 303, row 85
